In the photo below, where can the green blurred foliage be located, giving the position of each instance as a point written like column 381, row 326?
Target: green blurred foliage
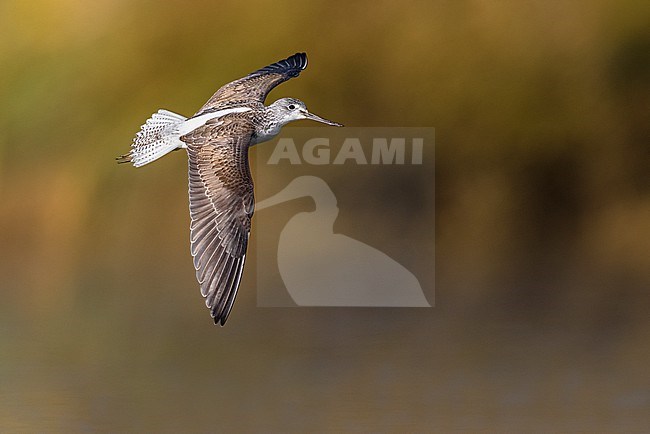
column 542, row 219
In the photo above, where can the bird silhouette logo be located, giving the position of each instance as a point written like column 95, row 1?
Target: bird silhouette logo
column 321, row 268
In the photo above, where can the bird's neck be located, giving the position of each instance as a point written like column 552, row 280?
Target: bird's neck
column 268, row 126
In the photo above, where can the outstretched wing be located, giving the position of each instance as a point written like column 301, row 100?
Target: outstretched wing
column 221, row 207
column 256, row 85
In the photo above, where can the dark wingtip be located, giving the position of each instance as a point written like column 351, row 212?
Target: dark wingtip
column 301, row 59
column 219, row 320
column 217, row 316
column 291, row 66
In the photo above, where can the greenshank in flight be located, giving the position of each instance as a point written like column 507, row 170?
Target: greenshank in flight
column 217, row 139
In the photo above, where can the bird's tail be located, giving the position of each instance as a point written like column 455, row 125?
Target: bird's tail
column 156, row 138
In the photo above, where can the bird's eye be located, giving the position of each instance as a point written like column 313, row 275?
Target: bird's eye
column 291, row 106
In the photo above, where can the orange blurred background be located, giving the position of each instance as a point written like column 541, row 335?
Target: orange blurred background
column 541, row 220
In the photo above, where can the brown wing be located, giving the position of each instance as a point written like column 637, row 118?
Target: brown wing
column 221, row 207
column 256, row 85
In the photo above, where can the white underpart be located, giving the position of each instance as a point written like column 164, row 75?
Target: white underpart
column 162, row 132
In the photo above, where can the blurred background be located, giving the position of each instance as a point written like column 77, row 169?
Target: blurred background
column 541, row 220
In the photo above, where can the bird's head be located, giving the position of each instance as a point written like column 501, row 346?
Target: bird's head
column 291, row 109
